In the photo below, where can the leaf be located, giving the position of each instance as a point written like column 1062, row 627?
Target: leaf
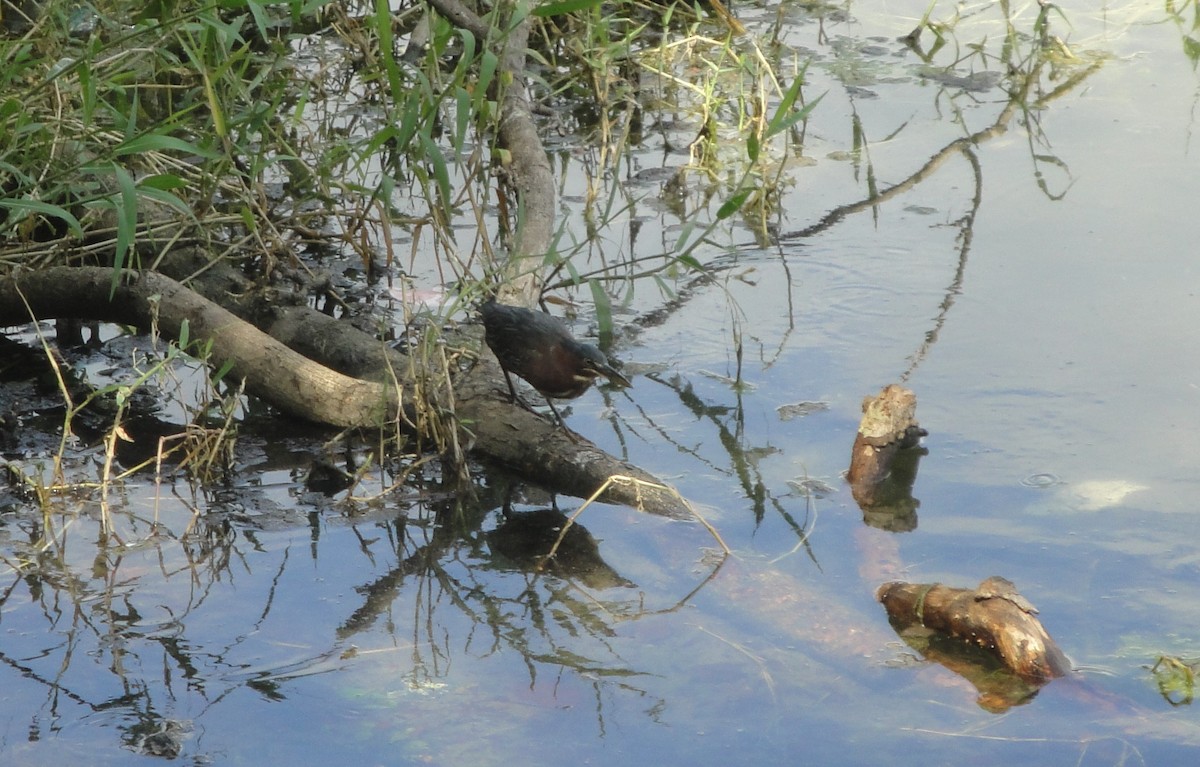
column 44, row 209
column 12, row 106
column 603, row 311
column 1191, row 49
column 789, row 100
column 685, row 232
column 383, row 30
column 127, row 208
column 462, row 111
column 260, row 19
column 154, row 142
column 519, row 14
column 408, row 121
column 214, row 105
column 487, row 70
column 163, row 181
column 222, row 371
column 87, row 91
column 564, row 7
column 782, row 121
column 733, row 204
column 483, row 82
column 467, row 58
column 664, row 287
column 383, row 136
column 166, row 198
column 433, row 155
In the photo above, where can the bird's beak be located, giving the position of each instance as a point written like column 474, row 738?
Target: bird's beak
column 609, row 372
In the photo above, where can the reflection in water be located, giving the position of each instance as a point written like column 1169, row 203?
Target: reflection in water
column 892, row 506
column 525, row 538
column 176, row 624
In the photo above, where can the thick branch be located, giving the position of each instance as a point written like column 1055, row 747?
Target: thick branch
column 531, row 445
column 528, row 167
column 282, row 377
column 499, row 431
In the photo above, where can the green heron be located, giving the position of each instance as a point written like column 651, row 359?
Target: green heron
column 538, row 347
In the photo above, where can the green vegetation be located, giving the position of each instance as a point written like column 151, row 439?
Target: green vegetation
column 264, row 130
column 224, row 114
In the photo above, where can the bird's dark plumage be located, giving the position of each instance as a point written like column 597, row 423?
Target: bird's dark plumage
column 538, row 347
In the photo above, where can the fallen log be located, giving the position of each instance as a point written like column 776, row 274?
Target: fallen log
column 148, row 300
column 344, row 377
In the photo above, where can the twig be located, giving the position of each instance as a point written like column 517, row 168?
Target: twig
column 621, row 479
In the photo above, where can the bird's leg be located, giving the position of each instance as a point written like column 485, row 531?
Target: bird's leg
column 512, row 390
column 567, row 429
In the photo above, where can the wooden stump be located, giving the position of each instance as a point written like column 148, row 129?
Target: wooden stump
column 883, row 462
column 994, row 617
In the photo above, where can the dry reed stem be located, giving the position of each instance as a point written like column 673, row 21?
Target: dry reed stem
column 622, row 479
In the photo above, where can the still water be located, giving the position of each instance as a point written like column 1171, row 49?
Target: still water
column 1051, row 342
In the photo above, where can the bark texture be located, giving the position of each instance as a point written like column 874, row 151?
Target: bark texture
column 271, row 370
column 1000, row 621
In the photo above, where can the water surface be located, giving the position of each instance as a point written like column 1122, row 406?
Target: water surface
column 1054, row 362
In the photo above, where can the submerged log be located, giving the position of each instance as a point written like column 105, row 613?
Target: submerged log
column 994, row 617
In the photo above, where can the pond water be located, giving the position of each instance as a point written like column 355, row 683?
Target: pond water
column 1052, row 347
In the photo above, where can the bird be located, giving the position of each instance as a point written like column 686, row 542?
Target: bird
column 539, row 348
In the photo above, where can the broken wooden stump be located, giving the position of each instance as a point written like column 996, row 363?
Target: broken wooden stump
column 883, row 463
column 994, row 617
